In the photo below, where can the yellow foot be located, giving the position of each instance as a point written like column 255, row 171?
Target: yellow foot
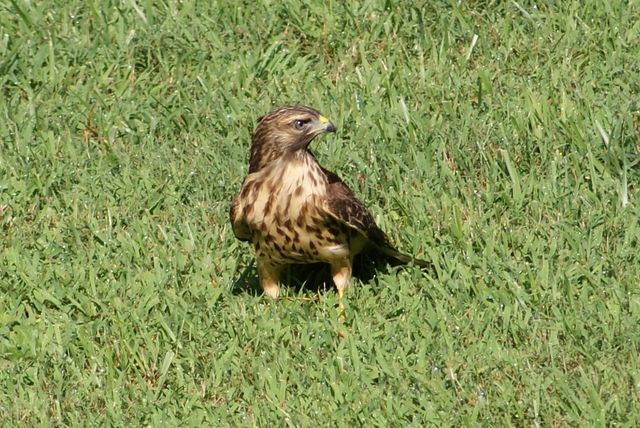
column 342, row 334
column 341, row 316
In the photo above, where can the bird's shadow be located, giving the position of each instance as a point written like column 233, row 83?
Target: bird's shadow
column 311, row 278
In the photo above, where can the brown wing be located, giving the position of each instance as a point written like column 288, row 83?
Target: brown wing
column 240, row 227
column 343, row 205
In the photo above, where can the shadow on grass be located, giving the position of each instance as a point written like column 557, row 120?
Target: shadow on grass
column 312, row 278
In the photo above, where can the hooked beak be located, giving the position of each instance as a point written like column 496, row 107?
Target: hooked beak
column 324, row 125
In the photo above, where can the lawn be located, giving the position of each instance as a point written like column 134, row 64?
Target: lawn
column 499, row 140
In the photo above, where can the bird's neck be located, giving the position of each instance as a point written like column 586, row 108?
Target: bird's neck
column 261, row 158
column 299, row 174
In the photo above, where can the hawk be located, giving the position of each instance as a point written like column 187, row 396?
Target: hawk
column 293, row 211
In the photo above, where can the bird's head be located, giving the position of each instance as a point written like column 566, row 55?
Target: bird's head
column 285, row 130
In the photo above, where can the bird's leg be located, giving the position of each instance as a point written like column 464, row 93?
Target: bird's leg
column 341, row 274
column 269, row 275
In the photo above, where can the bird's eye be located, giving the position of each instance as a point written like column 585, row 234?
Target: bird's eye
column 298, row 124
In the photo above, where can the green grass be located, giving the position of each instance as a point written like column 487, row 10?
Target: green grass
column 512, row 163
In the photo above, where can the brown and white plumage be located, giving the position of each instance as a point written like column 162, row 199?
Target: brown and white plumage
column 294, row 211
